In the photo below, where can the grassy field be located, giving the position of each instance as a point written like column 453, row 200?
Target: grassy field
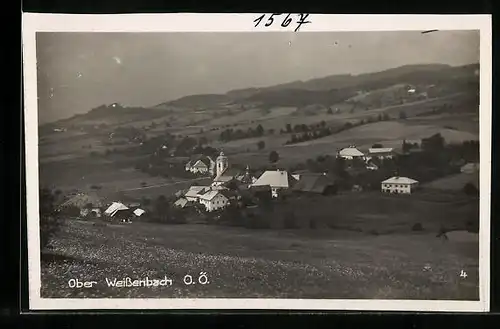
column 258, row 264
column 454, row 182
column 385, row 214
column 389, row 133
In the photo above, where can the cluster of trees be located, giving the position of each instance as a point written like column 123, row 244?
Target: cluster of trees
column 302, row 132
column 163, row 211
column 234, row 134
column 50, row 223
column 435, row 159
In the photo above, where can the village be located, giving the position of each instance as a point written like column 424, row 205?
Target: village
column 228, row 192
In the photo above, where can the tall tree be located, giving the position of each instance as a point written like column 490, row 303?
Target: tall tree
column 274, row 156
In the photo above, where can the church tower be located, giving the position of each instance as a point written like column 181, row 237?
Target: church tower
column 222, row 163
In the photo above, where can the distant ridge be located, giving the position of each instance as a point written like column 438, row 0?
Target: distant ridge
column 325, row 90
column 411, row 74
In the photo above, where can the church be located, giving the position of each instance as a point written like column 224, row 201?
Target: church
column 224, row 174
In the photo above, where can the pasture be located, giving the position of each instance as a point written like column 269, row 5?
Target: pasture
column 388, row 133
column 257, row 264
column 454, row 182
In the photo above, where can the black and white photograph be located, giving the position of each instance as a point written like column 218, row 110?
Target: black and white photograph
column 255, row 165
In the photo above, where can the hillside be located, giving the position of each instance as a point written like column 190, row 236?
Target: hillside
column 370, row 90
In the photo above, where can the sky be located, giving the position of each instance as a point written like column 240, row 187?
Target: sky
column 79, row 71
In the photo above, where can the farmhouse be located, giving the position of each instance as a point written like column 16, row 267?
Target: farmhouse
column 277, row 180
column 315, row 184
column 117, row 209
column 399, row 185
column 213, row 200
column 139, row 212
column 201, row 165
column 350, row 153
column 470, row 168
column 380, row 153
column 181, row 203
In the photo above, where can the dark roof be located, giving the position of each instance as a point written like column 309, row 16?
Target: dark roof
column 315, row 183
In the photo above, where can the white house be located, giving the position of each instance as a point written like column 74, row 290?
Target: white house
column 399, row 185
column 213, row 200
column 139, row 212
column 277, row 180
column 181, row 203
column 350, row 153
column 201, row 165
column 381, row 153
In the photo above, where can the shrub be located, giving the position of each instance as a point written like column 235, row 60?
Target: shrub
column 50, row 224
column 471, row 190
column 273, row 157
column 417, row 227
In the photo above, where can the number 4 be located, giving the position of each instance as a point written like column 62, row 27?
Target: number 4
column 463, row 274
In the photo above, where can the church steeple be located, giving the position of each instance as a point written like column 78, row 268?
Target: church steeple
column 222, row 163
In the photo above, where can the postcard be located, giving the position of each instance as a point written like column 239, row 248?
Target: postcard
column 258, row 161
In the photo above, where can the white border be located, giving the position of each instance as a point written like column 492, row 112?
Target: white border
column 243, row 23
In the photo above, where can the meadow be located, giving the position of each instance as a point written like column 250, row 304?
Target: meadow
column 271, row 264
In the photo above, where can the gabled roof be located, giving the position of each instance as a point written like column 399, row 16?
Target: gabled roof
column 114, row 208
column 399, row 180
column 380, row 150
column 193, row 160
column 211, row 194
column 139, row 212
column 351, row 151
column 195, row 191
column 200, row 163
column 182, row 202
column 275, row 178
column 316, row 183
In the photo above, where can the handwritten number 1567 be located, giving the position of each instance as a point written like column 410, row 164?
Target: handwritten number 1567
column 270, row 20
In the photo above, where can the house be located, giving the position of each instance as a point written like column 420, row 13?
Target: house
column 182, row 203
column 350, row 153
column 246, row 178
column 213, row 200
column 380, row 153
column 277, row 180
column 315, row 184
column 399, row 185
column 117, row 209
column 200, row 164
column 195, row 191
column 470, row 168
column 139, row 212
